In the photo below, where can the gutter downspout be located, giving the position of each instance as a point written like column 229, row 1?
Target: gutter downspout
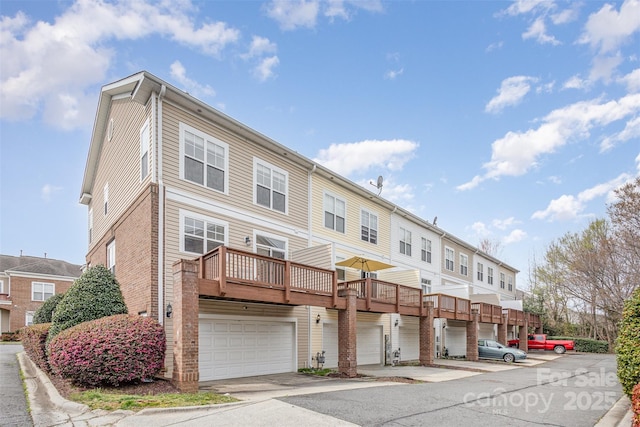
column 309, row 243
column 158, row 138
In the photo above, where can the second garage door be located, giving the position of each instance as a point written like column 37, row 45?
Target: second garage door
column 409, row 339
column 369, row 344
column 241, row 348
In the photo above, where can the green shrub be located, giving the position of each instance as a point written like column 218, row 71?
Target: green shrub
column 627, row 348
column 586, row 345
column 93, row 295
column 34, row 340
column 44, row 313
column 109, row 351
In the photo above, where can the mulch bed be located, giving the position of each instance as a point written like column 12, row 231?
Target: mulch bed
column 158, row 386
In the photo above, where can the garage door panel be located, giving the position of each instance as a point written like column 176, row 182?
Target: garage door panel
column 239, row 348
column 368, row 342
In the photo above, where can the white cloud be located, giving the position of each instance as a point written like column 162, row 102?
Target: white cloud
column 48, row 191
column 511, row 92
column 480, row 228
column 361, row 156
column 566, row 15
column 54, row 65
column 264, row 70
column 570, row 207
column 179, row 73
column 494, row 46
column 607, row 29
column 516, row 235
column 392, row 74
column 631, row 130
column 538, row 31
column 603, row 67
column 517, row 152
column 521, row 7
column 503, row 224
column 632, row 81
column 291, row 15
column 576, row 82
column 260, row 46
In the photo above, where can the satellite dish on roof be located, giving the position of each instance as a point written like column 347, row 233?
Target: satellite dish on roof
column 378, row 184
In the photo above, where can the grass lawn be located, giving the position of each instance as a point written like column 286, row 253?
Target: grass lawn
column 110, row 401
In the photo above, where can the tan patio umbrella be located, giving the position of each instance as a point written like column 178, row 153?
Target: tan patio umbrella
column 364, row 264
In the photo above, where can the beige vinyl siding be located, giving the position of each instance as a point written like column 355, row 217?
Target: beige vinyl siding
column 401, row 277
column 266, row 310
column 240, row 170
column 316, row 256
column 456, row 258
column 119, row 166
column 354, row 203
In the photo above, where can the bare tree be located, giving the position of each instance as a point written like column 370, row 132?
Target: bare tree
column 488, row 246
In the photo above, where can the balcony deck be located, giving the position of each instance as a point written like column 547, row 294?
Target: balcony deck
column 246, row 276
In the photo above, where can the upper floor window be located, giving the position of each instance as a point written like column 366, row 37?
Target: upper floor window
column 41, row 291
column 204, row 159
column 90, row 225
column 369, row 226
column 464, row 264
column 2, row 290
column 271, row 246
column 111, row 256
column 490, row 275
column 105, row 198
column 480, row 272
column 449, row 262
column 144, row 151
column 405, row 241
column 510, row 283
column 201, row 234
column 426, row 250
column 426, row 285
column 28, row 318
column 271, row 184
column 334, row 213
column 501, row 280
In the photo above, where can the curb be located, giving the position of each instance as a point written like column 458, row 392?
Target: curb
column 619, row 414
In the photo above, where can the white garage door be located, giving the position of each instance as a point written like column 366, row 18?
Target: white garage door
column 486, row 331
column 243, row 348
column 409, row 339
column 369, row 344
column 456, row 341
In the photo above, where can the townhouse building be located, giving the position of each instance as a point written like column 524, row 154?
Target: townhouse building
column 169, row 178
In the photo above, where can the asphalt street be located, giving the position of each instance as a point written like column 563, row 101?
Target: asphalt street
column 13, row 403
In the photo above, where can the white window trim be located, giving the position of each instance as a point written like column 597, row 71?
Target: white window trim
column 185, row 127
column 464, row 264
column 490, row 275
column 188, row 214
column 144, row 148
column 480, row 272
column 34, row 283
column 2, row 287
column 336, row 197
column 453, row 259
column 90, row 225
column 502, row 281
column 404, row 232
column 28, row 318
column 272, row 236
column 111, row 256
column 105, row 199
column 256, row 162
column 371, row 213
column 510, row 283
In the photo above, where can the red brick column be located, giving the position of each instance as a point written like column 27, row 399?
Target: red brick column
column 426, row 336
column 523, row 336
column 347, row 338
column 472, row 336
column 502, row 329
column 185, row 325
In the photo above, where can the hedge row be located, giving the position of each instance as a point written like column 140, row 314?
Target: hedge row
column 586, row 345
column 109, row 351
column 34, row 340
column 627, row 348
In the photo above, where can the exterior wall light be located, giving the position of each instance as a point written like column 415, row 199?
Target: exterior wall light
column 169, row 310
column 318, row 318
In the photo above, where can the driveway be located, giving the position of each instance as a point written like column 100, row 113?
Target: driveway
column 13, row 404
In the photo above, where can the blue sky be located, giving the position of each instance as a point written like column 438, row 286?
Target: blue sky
column 509, row 121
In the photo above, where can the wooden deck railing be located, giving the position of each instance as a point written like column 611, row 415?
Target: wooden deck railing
column 237, row 274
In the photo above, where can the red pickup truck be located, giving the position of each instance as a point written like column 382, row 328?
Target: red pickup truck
column 540, row 342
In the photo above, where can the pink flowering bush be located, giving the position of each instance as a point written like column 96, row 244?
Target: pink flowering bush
column 34, row 340
column 109, row 351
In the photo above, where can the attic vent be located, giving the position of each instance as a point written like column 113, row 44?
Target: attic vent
column 110, row 130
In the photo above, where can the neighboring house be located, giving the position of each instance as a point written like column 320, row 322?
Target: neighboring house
column 26, row 282
column 169, row 178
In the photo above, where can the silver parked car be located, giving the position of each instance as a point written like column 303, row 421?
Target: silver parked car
column 489, row 349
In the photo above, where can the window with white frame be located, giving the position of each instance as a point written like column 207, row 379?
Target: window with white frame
column 271, row 246
column 426, row 285
column 449, row 259
column 510, row 283
column 28, row 318
column 369, row 227
column 501, row 280
column 200, row 234
column 426, row 250
column 490, row 275
column 480, row 272
column 464, row 264
column 2, row 291
column 105, row 198
column 90, row 225
column 41, row 291
column 204, row 159
column 111, row 256
column 271, row 186
column 341, row 271
column 334, row 213
column 405, row 241
column 144, row 151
